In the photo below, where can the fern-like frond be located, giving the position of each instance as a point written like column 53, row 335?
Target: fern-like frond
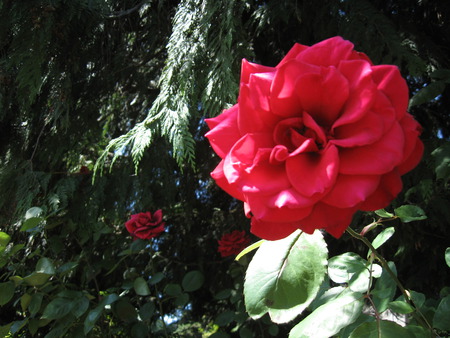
column 200, row 73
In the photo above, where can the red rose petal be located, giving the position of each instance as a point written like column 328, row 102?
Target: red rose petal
column 328, row 52
column 157, row 216
column 130, row 225
column 273, row 231
column 149, row 232
column 290, row 198
column 349, row 190
column 292, row 54
column 333, row 220
column 248, row 68
column 374, row 159
column 254, row 112
column 219, row 176
column 284, row 101
column 393, row 85
column 390, row 186
column 362, row 91
column 242, row 157
column 365, row 131
column 319, row 97
column 313, row 173
column 224, row 131
column 262, row 210
column 414, row 158
column 413, row 150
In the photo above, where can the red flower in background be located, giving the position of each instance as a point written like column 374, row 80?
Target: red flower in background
column 233, row 243
column 145, row 225
column 311, row 141
column 84, row 170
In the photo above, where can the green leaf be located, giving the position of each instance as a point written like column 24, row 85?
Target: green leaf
column 18, row 325
column 360, row 281
column 400, row 307
column 4, row 330
column 328, row 295
column 33, row 212
column 31, row 223
column 441, row 74
column 245, row 332
column 66, row 267
column 382, row 238
column 81, row 305
column 57, row 308
column 273, row 330
column 35, row 303
column 342, row 268
column 248, row 249
column 4, row 240
column 384, row 290
column 223, row 294
column 45, row 265
column 383, row 213
column 416, row 331
column 442, row 161
column 225, row 318
column 25, row 301
column 173, row 289
column 181, row 299
column 125, row 311
column 147, row 310
column 284, row 276
column 36, row 278
column 139, row 330
column 427, row 93
column 16, row 279
column 330, row 318
column 6, row 292
column 16, row 248
column 363, row 318
column 95, row 314
column 141, row 287
column 156, row 278
column 92, row 318
column 33, row 326
column 193, row 281
column 447, row 257
column 386, row 329
column 409, row 213
column 417, row 297
column 441, row 319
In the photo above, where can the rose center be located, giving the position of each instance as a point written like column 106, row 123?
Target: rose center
column 300, row 134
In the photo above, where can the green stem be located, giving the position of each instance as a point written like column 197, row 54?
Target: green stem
column 421, row 318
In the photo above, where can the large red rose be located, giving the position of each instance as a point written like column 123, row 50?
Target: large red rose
column 233, row 243
column 311, row 141
column 145, row 225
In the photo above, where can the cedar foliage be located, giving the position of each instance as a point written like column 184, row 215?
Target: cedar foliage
column 123, row 87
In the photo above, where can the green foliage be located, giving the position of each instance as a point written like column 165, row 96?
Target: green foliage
column 198, row 75
column 357, row 279
column 284, row 276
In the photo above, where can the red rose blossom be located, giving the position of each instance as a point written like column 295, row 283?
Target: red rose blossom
column 84, row 170
column 145, row 225
column 233, row 243
column 311, row 141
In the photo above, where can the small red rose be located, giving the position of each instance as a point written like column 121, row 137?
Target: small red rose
column 311, row 141
column 233, row 243
column 84, row 170
column 145, row 225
